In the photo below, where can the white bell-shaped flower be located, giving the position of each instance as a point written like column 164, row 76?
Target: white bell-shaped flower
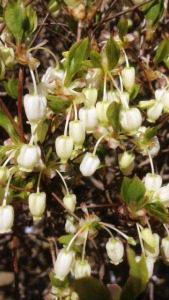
column 64, row 147
column 115, row 250
column 69, row 201
column 81, row 269
column 130, row 120
column 154, row 112
column 6, row 218
column 165, row 248
column 35, row 107
column 90, row 96
column 50, row 77
column 88, row 116
column 37, row 205
column 89, row 164
column 101, row 109
column 4, row 174
column 152, row 182
column 63, row 263
column 70, row 226
column 163, row 195
column 77, row 133
column 126, row 162
column 128, row 78
column 162, row 96
column 29, row 157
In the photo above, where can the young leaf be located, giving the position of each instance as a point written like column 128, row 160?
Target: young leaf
column 138, row 277
column 89, row 288
column 95, row 59
column 149, row 134
column 65, row 239
column 112, row 52
column 132, row 191
column 122, row 27
column 135, row 91
column 155, row 12
column 11, row 87
column 113, row 115
column 78, row 53
column 15, row 17
column 158, row 211
column 162, row 51
column 57, row 104
column 8, row 127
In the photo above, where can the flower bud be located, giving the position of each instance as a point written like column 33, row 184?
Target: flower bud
column 152, row 182
column 126, row 162
column 101, row 109
column 6, row 218
column 149, row 264
column 37, row 205
column 77, row 133
column 63, row 263
column 115, row 250
column 154, row 112
column 69, row 201
column 90, row 96
column 163, row 195
column 4, row 175
column 35, row 107
column 89, row 164
column 64, row 147
column 7, row 55
column 29, row 157
column 70, row 226
column 81, row 269
column 128, row 78
column 88, row 116
column 165, row 248
column 153, row 251
column 130, row 119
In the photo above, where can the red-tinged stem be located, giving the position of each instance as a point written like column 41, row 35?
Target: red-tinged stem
column 20, row 96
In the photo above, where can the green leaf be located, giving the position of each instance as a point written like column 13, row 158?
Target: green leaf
column 8, row 127
column 133, row 191
column 158, row 211
column 58, row 283
column 162, row 51
column 135, row 91
column 32, row 20
column 113, row 112
column 122, row 27
column 11, row 87
column 78, row 53
column 89, row 288
column 149, row 134
column 155, row 12
column 65, row 239
column 15, row 17
column 112, row 52
column 57, row 104
column 138, row 277
column 96, row 59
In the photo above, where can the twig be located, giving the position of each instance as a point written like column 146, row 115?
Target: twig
column 20, row 96
column 121, row 13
